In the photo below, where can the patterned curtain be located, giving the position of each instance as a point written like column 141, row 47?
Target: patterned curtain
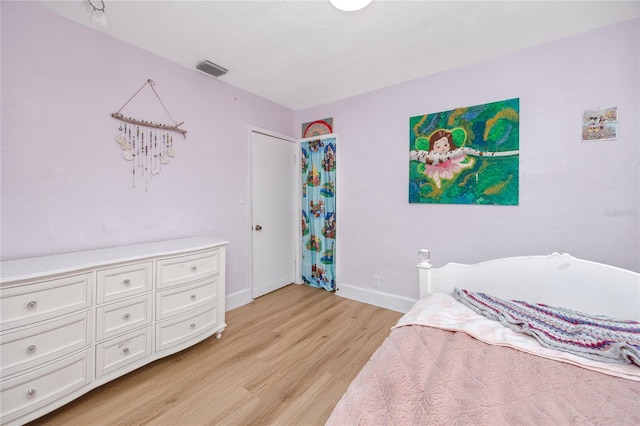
column 318, row 162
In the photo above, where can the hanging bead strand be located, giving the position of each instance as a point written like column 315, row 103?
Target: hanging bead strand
column 146, row 165
column 155, row 152
column 133, row 163
column 151, row 154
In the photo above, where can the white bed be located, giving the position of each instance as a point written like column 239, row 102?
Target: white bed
column 444, row 363
column 555, row 279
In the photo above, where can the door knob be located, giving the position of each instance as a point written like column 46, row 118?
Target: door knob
column 258, row 227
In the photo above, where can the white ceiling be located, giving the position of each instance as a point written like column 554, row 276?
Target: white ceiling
column 303, row 53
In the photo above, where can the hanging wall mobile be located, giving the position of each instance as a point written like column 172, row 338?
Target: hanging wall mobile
column 147, row 145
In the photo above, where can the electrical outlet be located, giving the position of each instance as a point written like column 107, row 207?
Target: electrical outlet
column 375, row 281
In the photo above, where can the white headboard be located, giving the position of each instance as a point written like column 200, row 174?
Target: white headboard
column 556, row 280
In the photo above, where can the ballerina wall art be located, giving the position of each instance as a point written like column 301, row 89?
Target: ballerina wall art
column 467, row 155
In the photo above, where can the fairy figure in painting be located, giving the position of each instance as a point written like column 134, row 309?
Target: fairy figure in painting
column 443, row 166
column 445, row 160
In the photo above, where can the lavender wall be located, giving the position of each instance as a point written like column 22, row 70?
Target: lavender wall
column 576, row 197
column 65, row 185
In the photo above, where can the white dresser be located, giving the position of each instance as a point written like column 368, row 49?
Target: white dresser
column 72, row 322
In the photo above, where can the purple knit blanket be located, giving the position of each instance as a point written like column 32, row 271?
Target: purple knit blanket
column 592, row 336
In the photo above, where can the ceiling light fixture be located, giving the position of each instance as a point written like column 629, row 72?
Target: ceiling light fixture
column 350, row 5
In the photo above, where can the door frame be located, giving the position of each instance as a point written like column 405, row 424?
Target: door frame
column 297, row 200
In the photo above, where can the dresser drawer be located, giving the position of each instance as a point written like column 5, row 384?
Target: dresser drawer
column 122, row 351
column 180, row 270
column 123, row 281
column 26, row 304
column 178, row 300
column 37, row 345
column 28, row 392
column 119, row 317
column 181, row 329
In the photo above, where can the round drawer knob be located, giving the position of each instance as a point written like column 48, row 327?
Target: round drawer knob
column 126, row 317
column 125, row 350
column 194, row 268
column 193, row 325
column 193, row 297
column 32, row 305
column 127, row 281
column 31, row 349
column 31, row 393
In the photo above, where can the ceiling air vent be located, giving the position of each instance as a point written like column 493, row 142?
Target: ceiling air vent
column 211, row 68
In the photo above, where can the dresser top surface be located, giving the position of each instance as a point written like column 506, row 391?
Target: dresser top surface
column 36, row 267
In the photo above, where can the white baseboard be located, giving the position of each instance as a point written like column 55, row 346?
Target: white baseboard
column 237, row 299
column 376, row 298
column 364, row 295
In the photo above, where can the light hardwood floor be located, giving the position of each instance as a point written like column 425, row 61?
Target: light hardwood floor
column 284, row 359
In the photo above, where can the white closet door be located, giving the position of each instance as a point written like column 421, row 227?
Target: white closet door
column 274, row 213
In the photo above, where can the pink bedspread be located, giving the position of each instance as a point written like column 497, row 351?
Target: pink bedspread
column 423, row 376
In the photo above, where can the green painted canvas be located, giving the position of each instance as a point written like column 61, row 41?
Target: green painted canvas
column 466, row 156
